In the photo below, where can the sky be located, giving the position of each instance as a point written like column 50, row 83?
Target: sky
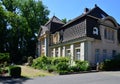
column 70, row 9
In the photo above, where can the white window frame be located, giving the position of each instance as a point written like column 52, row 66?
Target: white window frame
column 77, row 54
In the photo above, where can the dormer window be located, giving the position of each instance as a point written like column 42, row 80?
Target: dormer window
column 95, row 31
column 103, row 16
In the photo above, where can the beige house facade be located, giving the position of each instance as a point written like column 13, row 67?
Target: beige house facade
column 93, row 36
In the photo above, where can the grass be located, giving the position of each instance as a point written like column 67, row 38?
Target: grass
column 31, row 72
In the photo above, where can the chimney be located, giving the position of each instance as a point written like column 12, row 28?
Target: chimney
column 86, row 10
column 96, row 5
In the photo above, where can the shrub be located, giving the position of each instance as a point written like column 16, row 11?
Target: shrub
column 62, row 66
column 74, row 69
column 4, row 57
column 14, row 71
column 82, row 65
column 51, row 68
column 41, row 62
column 55, row 61
column 110, row 65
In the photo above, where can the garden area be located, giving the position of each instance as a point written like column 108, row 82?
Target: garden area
column 49, row 66
column 111, row 65
column 59, row 65
column 8, row 69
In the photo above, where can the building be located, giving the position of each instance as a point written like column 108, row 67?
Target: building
column 93, row 36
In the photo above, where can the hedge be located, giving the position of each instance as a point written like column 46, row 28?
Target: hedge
column 14, row 71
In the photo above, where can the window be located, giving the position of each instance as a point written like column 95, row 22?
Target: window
column 77, row 54
column 95, row 31
column 68, row 53
column 104, row 54
column 56, row 53
column 97, row 54
column 103, row 16
column 52, row 53
column 55, row 38
column 113, row 53
column 105, row 33
column 109, row 34
column 112, row 36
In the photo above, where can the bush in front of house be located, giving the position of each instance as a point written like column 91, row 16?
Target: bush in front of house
column 74, row 68
column 51, row 68
column 62, row 67
column 41, row 62
column 110, row 65
column 82, row 65
column 55, row 61
column 14, row 71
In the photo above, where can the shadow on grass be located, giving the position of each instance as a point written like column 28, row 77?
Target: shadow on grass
column 12, row 80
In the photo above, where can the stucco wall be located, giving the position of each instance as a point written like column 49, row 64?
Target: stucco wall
column 102, row 44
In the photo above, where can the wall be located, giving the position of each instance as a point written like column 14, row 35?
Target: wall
column 106, row 44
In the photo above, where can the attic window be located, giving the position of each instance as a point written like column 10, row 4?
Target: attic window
column 103, row 16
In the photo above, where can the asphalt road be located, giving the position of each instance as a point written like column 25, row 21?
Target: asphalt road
column 86, row 78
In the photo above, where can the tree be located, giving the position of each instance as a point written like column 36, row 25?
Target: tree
column 36, row 14
column 64, row 20
column 20, row 20
column 3, row 29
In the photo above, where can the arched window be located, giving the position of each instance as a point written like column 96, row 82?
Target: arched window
column 95, row 31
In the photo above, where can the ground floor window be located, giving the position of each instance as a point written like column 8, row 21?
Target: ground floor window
column 97, row 54
column 56, row 53
column 52, row 53
column 68, row 53
column 104, row 54
column 77, row 54
column 113, row 53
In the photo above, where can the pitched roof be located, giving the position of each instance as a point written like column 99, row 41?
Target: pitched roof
column 44, row 28
column 95, row 12
column 54, row 19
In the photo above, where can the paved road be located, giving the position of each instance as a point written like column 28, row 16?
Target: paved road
column 88, row 78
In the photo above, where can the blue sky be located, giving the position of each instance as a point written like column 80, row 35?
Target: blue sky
column 70, row 9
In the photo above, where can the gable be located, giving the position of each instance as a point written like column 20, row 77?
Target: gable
column 97, row 12
column 54, row 24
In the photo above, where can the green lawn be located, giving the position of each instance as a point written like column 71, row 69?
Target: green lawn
column 31, row 72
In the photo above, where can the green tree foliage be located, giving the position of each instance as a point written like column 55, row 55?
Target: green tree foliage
column 35, row 14
column 64, row 20
column 3, row 30
column 4, row 57
column 20, row 21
